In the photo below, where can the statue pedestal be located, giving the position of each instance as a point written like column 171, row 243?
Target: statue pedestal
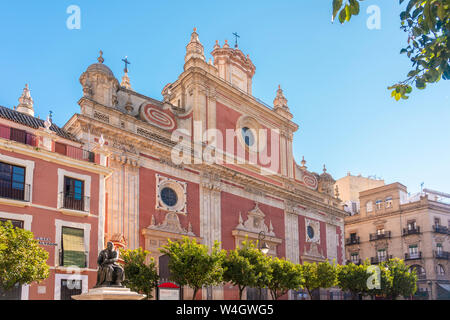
column 110, row 293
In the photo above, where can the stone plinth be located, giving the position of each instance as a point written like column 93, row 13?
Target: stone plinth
column 110, row 293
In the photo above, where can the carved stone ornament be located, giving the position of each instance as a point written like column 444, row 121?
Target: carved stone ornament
column 312, row 231
column 171, row 224
column 255, row 222
column 180, row 189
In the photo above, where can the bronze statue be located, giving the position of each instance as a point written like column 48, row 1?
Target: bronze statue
column 109, row 272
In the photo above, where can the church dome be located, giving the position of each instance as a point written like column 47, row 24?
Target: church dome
column 100, row 68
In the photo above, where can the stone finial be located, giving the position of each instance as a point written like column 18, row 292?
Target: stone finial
column 324, row 169
column 217, row 46
column 100, row 58
column 226, row 45
column 280, row 101
column 26, row 102
column 194, row 48
column 303, row 163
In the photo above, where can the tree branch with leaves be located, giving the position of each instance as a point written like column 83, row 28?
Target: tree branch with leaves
column 427, row 23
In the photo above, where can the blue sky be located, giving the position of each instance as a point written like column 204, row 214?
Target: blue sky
column 334, row 77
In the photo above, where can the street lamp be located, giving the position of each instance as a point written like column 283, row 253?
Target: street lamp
column 264, row 248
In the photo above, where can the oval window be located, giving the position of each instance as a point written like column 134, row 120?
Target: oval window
column 169, row 196
column 248, row 137
column 310, row 232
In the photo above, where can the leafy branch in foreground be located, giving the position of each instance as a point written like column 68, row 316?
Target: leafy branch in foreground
column 427, row 23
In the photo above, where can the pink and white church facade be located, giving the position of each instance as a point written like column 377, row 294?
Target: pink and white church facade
column 151, row 196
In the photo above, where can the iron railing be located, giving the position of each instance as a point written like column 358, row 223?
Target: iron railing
column 413, row 256
column 442, row 255
column 407, row 232
column 378, row 236
column 350, row 241
column 15, row 191
column 74, row 201
column 377, row 260
column 440, row 229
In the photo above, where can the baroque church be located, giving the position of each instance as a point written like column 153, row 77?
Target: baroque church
column 150, row 197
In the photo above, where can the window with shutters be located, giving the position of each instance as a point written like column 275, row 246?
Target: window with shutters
column 72, row 248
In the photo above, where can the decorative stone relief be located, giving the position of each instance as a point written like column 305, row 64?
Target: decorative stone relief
column 171, row 224
column 312, row 231
column 255, row 222
column 180, row 189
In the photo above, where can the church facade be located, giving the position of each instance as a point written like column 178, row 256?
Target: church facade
column 208, row 161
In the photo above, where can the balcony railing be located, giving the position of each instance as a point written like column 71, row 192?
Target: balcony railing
column 440, row 229
column 350, row 241
column 413, row 256
column 407, row 232
column 15, row 191
column 442, row 255
column 379, row 236
column 357, row 262
column 377, row 260
column 80, row 154
column 73, row 201
column 17, row 135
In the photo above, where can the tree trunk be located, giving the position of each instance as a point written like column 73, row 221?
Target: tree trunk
column 195, row 293
column 241, row 291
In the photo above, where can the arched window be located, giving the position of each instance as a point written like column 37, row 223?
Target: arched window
column 378, row 204
column 369, row 206
column 388, row 202
column 420, row 271
column 440, row 270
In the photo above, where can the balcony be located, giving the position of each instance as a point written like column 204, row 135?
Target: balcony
column 350, row 241
column 442, row 255
column 357, row 262
column 15, row 191
column 24, row 137
column 379, row 236
column 377, row 260
column 75, row 202
column 440, row 229
column 407, row 232
column 74, row 152
column 413, row 256
column 17, row 135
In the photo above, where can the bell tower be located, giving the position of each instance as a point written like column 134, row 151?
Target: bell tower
column 233, row 66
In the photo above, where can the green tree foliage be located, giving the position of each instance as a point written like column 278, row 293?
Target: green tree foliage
column 321, row 275
column 22, row 259
column 353, row 278
column 246, row 266
column 284, row 276
column 402, row 281
column 192, row 265
column 140, row 276
column 427, row 23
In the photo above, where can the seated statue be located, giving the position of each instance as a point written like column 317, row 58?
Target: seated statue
column 109, row 272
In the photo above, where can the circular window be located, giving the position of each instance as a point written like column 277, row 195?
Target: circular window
column 310, row 231
column 169, row 196
column 248, row 136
